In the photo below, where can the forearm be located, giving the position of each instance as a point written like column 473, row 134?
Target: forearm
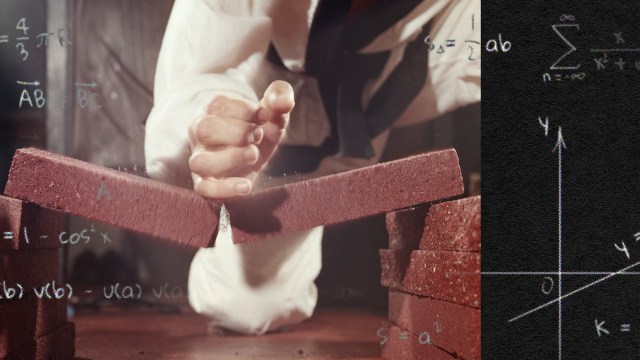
column 205, row 52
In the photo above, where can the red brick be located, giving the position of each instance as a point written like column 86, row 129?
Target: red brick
column 57, row 344
column 405, row 227
column 453, row 226
column 453, row 327
column 15, row 215
column 397, row 347
column 28, row 268
column 346, row 196
column 23, row 320
column 133, row 202
column 183, row 217
column 438, row 274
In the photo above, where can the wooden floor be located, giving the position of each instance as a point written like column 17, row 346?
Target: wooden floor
column 131, row 334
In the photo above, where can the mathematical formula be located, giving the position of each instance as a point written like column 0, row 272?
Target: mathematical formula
column 423, row 339
column 617, row 48
column 110, row 292
column 43, row 38
column 492, row 45
column 83, row 236
column 36, row 97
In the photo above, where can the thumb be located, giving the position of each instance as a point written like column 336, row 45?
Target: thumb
column 278, row 99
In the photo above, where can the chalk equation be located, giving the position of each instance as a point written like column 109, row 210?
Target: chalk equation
column 62, row 35
column 601, row 330
column 492, row 45
column 423, row 339
column 613, row 56
column 33, row 96
column 348, row 294
column 52, row 291
column 84, row 236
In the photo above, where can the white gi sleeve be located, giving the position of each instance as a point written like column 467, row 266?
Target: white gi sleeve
column 209, row 48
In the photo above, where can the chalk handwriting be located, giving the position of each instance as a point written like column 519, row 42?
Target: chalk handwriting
column 82, row 237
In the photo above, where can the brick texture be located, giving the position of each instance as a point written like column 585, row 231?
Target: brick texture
column 57, row 344
column 22, row 321
column 401, row 344
column 112, row 197
column 453, row 327
column 43, row 225
column 438, row 274
column 183, row 217
column 28, row 268
column 346, row 196
column 453, row 226
column 405, row 227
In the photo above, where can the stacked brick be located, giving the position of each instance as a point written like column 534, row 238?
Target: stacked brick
column 432, row 271
column 31, row 326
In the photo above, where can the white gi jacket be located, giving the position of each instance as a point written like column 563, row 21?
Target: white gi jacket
column 216, row 47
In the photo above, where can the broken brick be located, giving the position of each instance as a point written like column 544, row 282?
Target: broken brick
column 112, row 197
column 180, row 215
column 346, row 196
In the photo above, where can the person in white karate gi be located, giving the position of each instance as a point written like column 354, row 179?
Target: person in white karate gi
column 251, row 94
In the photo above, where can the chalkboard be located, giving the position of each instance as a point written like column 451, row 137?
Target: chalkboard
column 560, row 186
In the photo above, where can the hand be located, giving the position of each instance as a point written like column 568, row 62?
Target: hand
column 235, row 139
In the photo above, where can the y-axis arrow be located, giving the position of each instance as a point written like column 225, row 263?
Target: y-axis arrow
column 560, row 144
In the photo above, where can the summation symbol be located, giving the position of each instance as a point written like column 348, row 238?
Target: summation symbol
column 571, row 47
column 567, row 33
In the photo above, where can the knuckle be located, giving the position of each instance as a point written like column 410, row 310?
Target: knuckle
column 218, row 104
column 195, row 161
column 205, row 189
column 200, row 128
column 228, row 106
column 251, row 154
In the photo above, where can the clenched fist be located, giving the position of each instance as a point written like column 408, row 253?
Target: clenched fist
column 234, row 140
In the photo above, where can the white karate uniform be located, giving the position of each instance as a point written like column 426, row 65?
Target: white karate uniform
column 216, row 47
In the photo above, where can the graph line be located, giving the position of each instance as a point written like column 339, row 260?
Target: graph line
column 615, row 50
column 559, row 145
column 538, row 273
column 574, row 292
column 559, row 246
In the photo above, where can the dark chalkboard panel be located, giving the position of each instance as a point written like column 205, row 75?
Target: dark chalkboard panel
column 556, row 73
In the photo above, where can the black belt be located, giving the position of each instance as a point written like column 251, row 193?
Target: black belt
column 342, row 73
